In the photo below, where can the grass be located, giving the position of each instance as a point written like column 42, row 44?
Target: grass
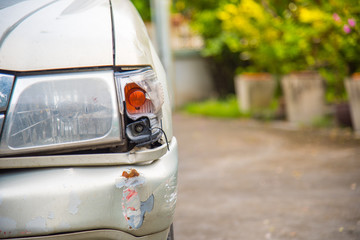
column 323, row 122
column 224, row 108
column 228, row 108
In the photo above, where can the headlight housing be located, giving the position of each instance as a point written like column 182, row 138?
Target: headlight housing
column 58, row 111
column 143, row 97
column 142, row 92
column 66, row 112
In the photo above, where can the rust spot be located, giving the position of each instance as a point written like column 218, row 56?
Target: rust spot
column 131, row 174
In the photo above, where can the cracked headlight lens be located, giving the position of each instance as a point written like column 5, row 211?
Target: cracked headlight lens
column 56, row 112
column 6, row 82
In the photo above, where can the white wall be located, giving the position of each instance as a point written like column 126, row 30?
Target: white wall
column 192, row 77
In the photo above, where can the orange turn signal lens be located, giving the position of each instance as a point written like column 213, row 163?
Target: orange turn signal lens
column 136, row 97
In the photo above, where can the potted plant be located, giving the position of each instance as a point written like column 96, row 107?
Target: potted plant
column 246, row 26
column 278, row 39
column 353, row 89
column 302, row 51
column 254, row 91
column 348, row 25
column 304, row 96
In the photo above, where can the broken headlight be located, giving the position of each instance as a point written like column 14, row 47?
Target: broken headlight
column 143, row 97
column 53, row 112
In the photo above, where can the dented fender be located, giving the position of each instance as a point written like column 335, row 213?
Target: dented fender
column 135, row 199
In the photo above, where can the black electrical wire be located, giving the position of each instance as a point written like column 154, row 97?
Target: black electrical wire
column 166, row 139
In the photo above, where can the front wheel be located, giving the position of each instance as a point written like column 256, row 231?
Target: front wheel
column 171, row 233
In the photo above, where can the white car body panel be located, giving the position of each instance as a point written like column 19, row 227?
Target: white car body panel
column 84, row 195
column 132, row 45
column 67, row 200
column 39, row 35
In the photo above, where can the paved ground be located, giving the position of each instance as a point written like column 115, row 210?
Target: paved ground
column 243, row 180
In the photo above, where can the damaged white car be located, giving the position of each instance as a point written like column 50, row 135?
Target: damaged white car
column 86, row 143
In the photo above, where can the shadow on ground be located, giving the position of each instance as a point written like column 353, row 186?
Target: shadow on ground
column 240, row 179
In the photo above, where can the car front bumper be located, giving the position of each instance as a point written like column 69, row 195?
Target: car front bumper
column 90, row 202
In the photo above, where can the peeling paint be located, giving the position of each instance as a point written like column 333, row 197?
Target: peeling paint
column 147, row 206
column 131, row 174
column 131, row 182
column 74, row 203
column 37, row 224
column 133, row 209
column 7, row 224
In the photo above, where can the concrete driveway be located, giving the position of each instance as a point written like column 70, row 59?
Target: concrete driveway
column 240, row 179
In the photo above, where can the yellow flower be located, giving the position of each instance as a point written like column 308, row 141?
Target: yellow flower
column 270, row 34
column 311, row 15
column 223, row 15
column 252, row 9
column 231, row 8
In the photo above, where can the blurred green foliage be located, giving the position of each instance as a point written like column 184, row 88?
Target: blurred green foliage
column 323, row 122
column 228, row 107
column 279, row 36
column 276, row 36
column 143, row 7
column 225, row 108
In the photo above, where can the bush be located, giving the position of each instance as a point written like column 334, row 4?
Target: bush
column 279, row 36
column 143, row 6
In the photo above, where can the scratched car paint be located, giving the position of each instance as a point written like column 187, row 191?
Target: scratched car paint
column 86, row 143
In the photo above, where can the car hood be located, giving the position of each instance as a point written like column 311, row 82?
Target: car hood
column 60, row 34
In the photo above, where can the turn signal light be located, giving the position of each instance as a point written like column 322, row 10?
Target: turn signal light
column 142, row 93
column 135, row 96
